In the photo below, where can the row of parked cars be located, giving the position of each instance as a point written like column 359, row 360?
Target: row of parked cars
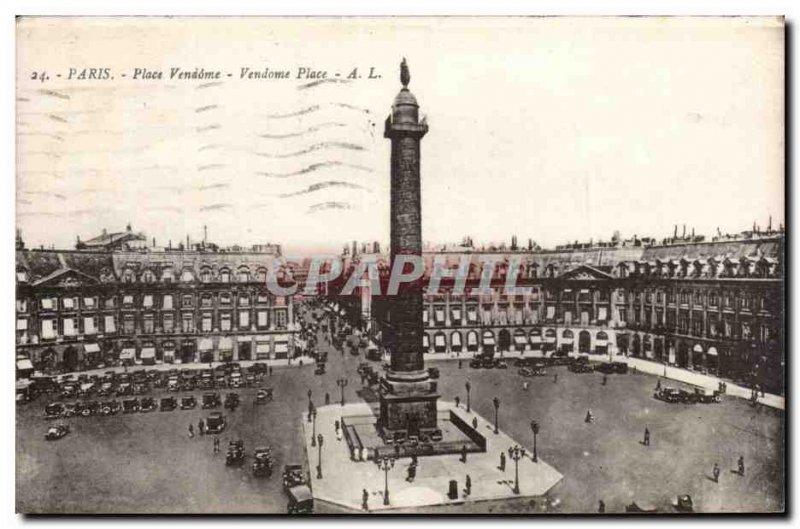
column 141, row 381
column 682, row 396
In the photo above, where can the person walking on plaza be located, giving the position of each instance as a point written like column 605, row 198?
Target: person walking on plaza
column 741, row 465
column 658, row 385
column 336, row 425
column 715, row 472
column 191, row 431
column 503, row 461
column 216, row 445
column 474, row 423
column 327, row 398
column 589, row 416
column 463, row 453
column 270, row 370
column 646, row 436
column 605, row 379
column 555, row 378
column 412, row 473
column 601, row 506
column 468, row 486
column 458, row 401
column 365, row 500
column 459, row 363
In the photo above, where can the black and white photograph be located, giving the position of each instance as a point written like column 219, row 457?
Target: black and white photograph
column 400, row 265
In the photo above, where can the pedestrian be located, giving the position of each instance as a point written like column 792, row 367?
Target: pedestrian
column 658, row 385
column 474, row 423
column 605, row 379
column 459, row 363
column 336, row 425
column 412, row 473
column 191, row 431
column 365, row 500
column 468, row 487
column 270, row 370
column 327, row 398
column 463, row 453
column 216, row 445
column 646, row 436
column 339, row 434
column 715, row 472
column 503, row 461
column 555, row 378
column 201, row 427
column 589, row 416
column 741, row 465
column 458, row 401
column 601, row 506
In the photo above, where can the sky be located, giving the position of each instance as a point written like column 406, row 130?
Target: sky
column 555, row 129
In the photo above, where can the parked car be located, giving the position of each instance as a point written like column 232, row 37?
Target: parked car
column 499, row 364
column 259, row 368
column 581, row 367
column 231, row 401
column 436, row 435
column 110, row 407
column 215, row 423
column 148, row 404
column 262, row 462
column 236, row 380
column 320, row 368
column 70, row 409
column 235, row 453
column 263, row 396
column 706, row 396
column 130, row 405
column 210, row 400
column 57, row 431
column 87, row 408
column 293, row 476
column 188, row 403
column 620, row 367
column 53, row 410
column 168, row 403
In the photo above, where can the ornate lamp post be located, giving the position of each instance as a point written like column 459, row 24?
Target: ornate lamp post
column 314, row 427
column 341, row 382
column 320, row 439
column 385, row 463
column 310, row 405
column 496, row 403
column 515, row 453
column 535, row 428
column 468, row 386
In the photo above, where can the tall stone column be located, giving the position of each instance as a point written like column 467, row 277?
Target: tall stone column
column 408, row 396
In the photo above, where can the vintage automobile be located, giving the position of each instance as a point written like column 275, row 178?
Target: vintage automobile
column 500, row 364
column 373, row 354
column 148, row 404
column 130, row 405
column 220, row 382
column 88, row 408
column 168, row 403
column 124, row 388
column 293, row 476
column 69, row 390
column 619, row 367
column 706, row 396
column 436, row 435
column 140, row 388
column 110, row 407
column 263, row 396
column 433, row 372
column 86, row 389
column 53, row 410
column 56, row 432
column 210, row 400
column 236, row 380
column 301, row 501
column 235, row 454
column 173, row 384
column 231, row 401
column 106, row 389
column 259, row 368
column 581, row 367
column 605, row 367
column 667, row 394
column 188, row 403
column 262, row 462
column 215, row 423
column 206, row 381
column 320, row 368
column 70, row 409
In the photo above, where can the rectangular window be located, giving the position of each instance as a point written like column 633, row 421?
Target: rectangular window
column 551, row 312
column 225, row 298
column 47, row 303
column 187, row 302
column 128, row 324
column 88, row 303
column 263, row 319
column 602, row 314
column 244, row 301
column 225, row 321
column 48, row 329
column 244, row 319
column 22, row 324
column 88, row 326
column 262, row 299
column 168, row 320
column 109, row 324
column 148, row 324
column 69, row 327
column 68, row 303
column 188, row 323
column 167, row 302
column 206, row 301
column 22, row 305
column 280, row 318
column 147, row 301
column 127, row 300
column 110, row 303
column 206, row 323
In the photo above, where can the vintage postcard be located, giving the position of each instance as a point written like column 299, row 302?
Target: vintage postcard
column 448, row 265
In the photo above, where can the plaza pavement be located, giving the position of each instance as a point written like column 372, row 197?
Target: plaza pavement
column 344, row 480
